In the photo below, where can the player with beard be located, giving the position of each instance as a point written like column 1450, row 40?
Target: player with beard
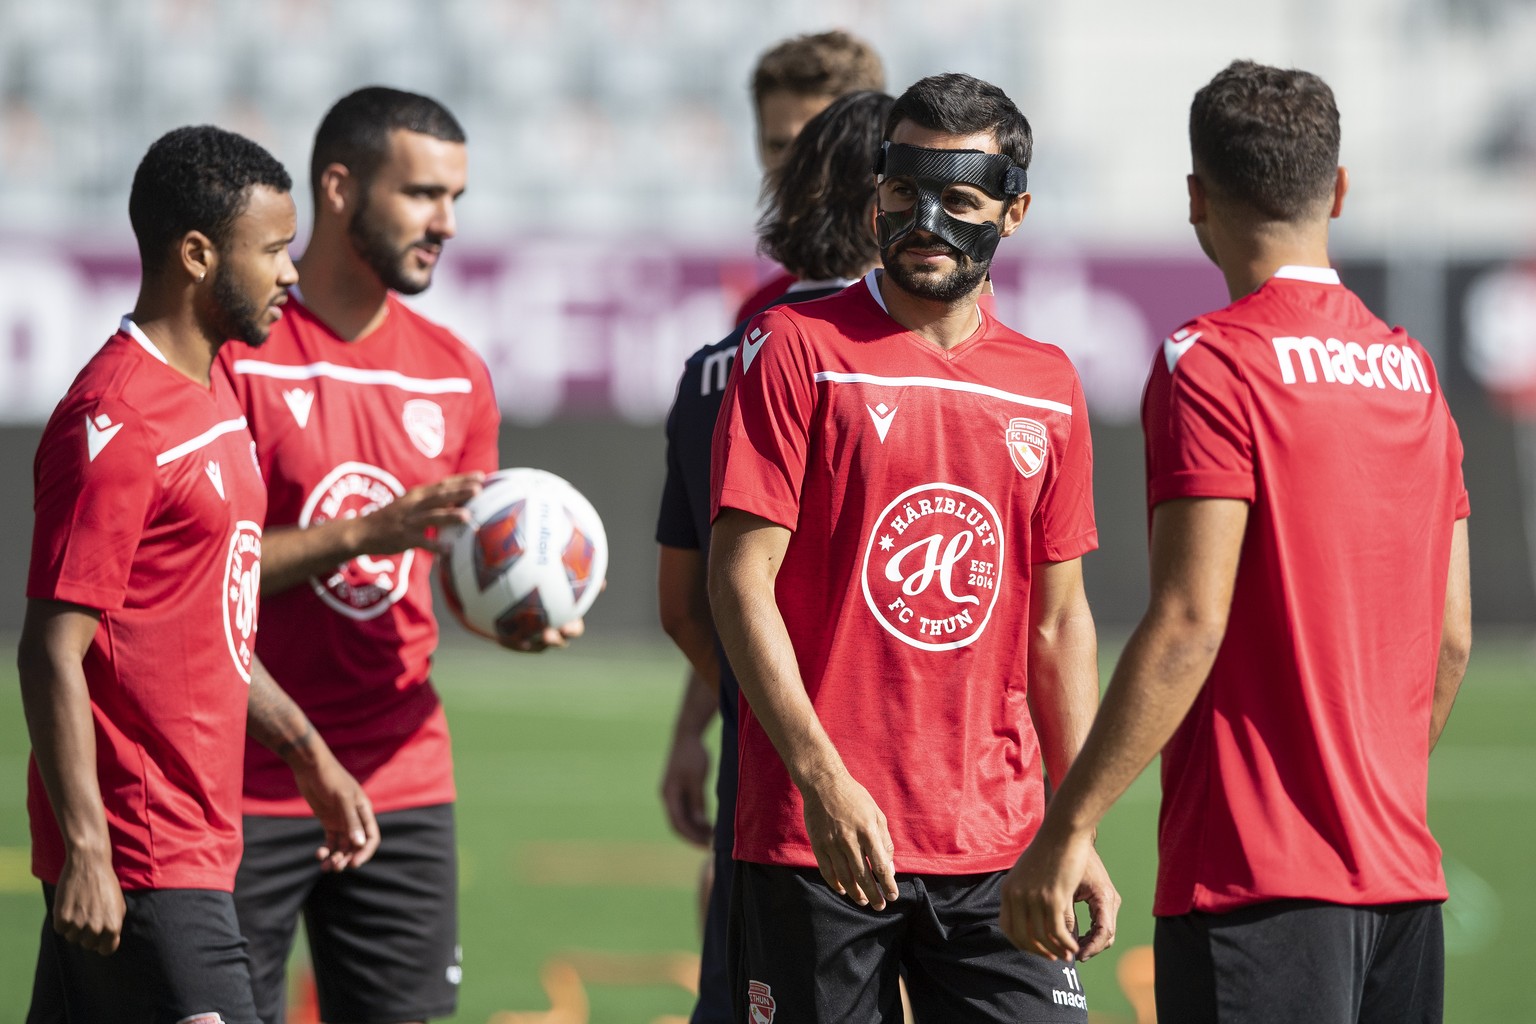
column 902, row 491
column 373, row 426
column 817, row 221
column 137, row 671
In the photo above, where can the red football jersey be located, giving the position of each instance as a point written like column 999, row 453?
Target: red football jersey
column 342, row 428
column 921, row 486
column 1301, row 770
column 149, row 509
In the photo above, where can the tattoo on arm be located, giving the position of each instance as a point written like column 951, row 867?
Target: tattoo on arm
column 297, row 743
column 275, row 721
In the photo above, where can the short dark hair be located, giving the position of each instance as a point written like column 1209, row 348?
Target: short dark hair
column 823, row 64
column 355, row 132
column 1266, row 137
column 816, row 218
column 196, row 178
column 958, row 104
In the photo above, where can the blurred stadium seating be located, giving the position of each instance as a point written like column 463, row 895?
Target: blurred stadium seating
column 629, row 116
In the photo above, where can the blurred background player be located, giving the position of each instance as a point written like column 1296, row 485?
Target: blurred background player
column 914, row 479
column 817, row 221
column 373, row 426
column 1310, row 617
column 792, row 83
column 137, row 668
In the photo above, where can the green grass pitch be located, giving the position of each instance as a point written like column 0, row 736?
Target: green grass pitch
column 565, row 851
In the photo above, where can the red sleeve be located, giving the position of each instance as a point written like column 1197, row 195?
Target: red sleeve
column 482, row 443
column 763, row 432
column 1199, row 438
column 1063, row 527
column 90, row 513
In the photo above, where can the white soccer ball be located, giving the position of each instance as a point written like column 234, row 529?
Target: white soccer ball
column 534, row 554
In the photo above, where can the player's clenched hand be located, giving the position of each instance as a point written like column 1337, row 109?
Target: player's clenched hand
column 344, row 811
column 850, row 839
column 1039, row 891
column 683, row 783
column 88, row 905
column 1103, row 901
column 413, row 519
column 542, row 639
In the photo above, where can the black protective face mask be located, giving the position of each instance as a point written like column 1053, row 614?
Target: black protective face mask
column 931, row 172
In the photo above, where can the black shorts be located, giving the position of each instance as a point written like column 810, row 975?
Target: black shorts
column 801, row 953
column 181, row 959
column 1302, row 960
column 383, row 937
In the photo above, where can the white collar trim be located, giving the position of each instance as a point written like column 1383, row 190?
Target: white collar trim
column 1316, row 275
column 132, row 329
column 831, row 282
column 872, row 282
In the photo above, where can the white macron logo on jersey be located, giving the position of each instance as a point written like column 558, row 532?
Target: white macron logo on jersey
column 1349, row 362
column 882, row 415
column 714, row 373
column 749, row 347
column 1175, row 347
column 216, row 475
column 98, row 432
column 299, row 402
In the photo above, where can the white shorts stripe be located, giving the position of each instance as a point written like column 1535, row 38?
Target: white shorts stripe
column 354, row 375
column 202, row 440
column 834, row 377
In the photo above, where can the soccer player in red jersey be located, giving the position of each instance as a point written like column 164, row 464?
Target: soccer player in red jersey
column 794, row 81
column 373, row 425
column 138, row 674
column 902, row 493
column 1309, row 623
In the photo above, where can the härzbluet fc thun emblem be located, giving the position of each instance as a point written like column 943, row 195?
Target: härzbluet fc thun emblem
column 1027, row 442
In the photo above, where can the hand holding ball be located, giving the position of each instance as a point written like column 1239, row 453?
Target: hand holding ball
column 532, row 556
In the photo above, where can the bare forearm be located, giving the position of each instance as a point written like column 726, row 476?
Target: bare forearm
column 701, row 699
column 698, row 646
column 57, row 705
column 1155, row 683
column 1452, row 668
column 1455, row 635
column 279, row 724
column 1063, row 687
column 682, row 597
column 292, row 554
column 758, row 645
